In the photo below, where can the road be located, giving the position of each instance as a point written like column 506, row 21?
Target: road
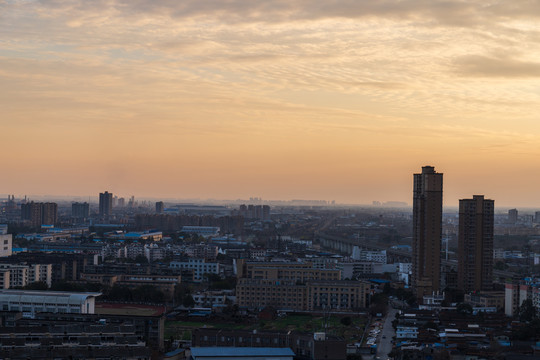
column 385, row 340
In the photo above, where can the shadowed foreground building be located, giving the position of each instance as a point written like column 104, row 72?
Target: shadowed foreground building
column 427, row 231
column 306, row 346
column 475, row 244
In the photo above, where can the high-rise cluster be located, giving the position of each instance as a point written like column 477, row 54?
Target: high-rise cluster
column 475, row 240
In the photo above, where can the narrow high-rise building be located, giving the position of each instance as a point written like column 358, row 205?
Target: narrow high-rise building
column 427, row 231
column 80, row 211
column 512, row 216
column 159, row 207
column 105, row 204
column 475, row 244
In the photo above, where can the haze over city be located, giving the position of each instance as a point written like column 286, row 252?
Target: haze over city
column 334, row 100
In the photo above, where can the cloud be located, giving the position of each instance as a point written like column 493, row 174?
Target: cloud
column 455, row 13
column 500, row 67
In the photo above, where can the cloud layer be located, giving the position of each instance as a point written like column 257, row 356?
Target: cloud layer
column 320, row 92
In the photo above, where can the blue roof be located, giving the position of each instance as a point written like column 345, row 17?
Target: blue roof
column 379, row 281
column 235, row 352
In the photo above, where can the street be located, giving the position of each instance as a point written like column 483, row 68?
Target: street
column 385, row 341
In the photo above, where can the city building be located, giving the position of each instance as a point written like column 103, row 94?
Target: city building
column 198, row 266
column 475, row 244
column 512, row 216
column 105, row 204
column 80, row 211
column 32, row 302
column 491, row 299
column 205, row 231
column 247, row 353
column 159, row 207
column 38, row 214
column 427, row 231
column 306, row 346
column 6, row 241
column 19, row 275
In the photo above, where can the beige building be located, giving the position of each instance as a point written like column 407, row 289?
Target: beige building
column 22, row 275
column 299, row 272
column 486, row 299
column 314, row 295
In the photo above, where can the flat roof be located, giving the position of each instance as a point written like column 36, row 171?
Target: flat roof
column 235, row 352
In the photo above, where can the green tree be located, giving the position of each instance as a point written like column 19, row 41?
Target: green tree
column 527, row 312
column 464, row 308
column 38, row 285
column 188, row 301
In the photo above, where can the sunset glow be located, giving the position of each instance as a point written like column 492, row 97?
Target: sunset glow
column 335, row 100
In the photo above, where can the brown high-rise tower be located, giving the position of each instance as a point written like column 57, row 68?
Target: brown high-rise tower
column 475, row 244
column 427, row 231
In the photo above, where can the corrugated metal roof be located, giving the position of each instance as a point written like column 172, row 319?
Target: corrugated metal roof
column 240, row 351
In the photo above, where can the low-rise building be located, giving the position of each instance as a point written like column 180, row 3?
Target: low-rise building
column 199, row 267
column 32, row 302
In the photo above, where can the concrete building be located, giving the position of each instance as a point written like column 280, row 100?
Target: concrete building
column 205, row 231
column 160, row 207
column 296, row 271
column 80, row 211
column 512, row 216
column 475, row 244
column 198, row 266
column 6, row 242
column 306, row 346
column 32, row 302
column 515, row 294
column 492, row 299
column 19, row 275
column 38, row 214
column 105, row 204
column 292, row 295
column 245, row 353
column 427, row 231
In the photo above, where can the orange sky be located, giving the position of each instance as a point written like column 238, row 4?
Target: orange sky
column 335, row 100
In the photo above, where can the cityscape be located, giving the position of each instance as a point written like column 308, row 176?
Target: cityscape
column 134, row 279
column 269, row 180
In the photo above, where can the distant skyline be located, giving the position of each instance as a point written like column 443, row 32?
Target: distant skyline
column 331, row 100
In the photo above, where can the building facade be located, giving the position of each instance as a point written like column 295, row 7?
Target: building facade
column 427, row 231
column 105, row 204
column 38, row 214
column 475, row 244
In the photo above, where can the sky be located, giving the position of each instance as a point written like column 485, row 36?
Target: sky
column 279, row 99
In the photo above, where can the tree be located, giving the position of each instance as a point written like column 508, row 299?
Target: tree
column 38, row 285
column 141, row 259
column 464, row 308
column 347, row 321
column 527, row 312
column 188, row 301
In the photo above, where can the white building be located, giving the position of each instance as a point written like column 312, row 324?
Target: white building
column 367, row 255
column 351, row 270
column 406, row 332
column 32, row 302
column 404, row 272
column 199, row 267
column 153, row 252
